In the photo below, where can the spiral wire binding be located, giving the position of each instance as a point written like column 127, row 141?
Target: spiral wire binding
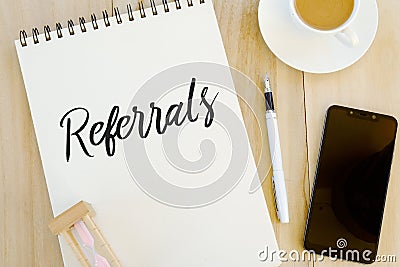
column 47, row 31
column 94, row 21
column 165, row 4
column 117, row 15
column 82, row 24
column 153, row 7
column 70, row 24
column 130, row 12
column 141, row 10
column 59, row 30
column 35, row 34
column 178, row 4
column 105, row 18
column 71, row 27
column 22, row 38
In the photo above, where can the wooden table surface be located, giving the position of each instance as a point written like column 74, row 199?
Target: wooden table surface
column 301, row 99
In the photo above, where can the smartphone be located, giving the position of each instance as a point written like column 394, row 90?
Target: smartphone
column 352, row 176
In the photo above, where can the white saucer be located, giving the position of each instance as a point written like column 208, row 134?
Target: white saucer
column 308, row 51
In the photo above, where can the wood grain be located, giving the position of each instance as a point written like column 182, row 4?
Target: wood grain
column 370, row 84
column 241, row 36
column 301, row 101
column 25, row 206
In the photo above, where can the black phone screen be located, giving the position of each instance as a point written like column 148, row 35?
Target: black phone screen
column 352, row 176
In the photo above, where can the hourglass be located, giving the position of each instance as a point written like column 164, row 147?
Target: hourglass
column 78, row 228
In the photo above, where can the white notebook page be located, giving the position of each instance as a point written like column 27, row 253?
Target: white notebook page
column 103, row 68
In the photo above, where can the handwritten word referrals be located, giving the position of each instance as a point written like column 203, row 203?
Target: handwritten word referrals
column 106, row 132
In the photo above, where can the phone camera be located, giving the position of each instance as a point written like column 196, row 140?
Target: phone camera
column 373, row 117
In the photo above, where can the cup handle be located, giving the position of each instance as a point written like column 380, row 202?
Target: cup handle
column 348, row 37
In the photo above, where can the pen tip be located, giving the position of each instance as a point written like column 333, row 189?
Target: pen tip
column 266, row 81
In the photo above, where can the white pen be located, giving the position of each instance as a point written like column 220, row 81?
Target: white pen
column 278, row 178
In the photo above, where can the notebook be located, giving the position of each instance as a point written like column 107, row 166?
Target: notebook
column 134, row 114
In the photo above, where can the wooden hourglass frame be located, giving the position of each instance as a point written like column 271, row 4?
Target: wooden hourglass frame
column 64, row 223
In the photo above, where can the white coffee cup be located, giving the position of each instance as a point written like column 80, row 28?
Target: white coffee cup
column 343, row 33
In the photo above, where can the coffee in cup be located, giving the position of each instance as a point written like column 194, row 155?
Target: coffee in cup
column 324, row 14
column 327, row 17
